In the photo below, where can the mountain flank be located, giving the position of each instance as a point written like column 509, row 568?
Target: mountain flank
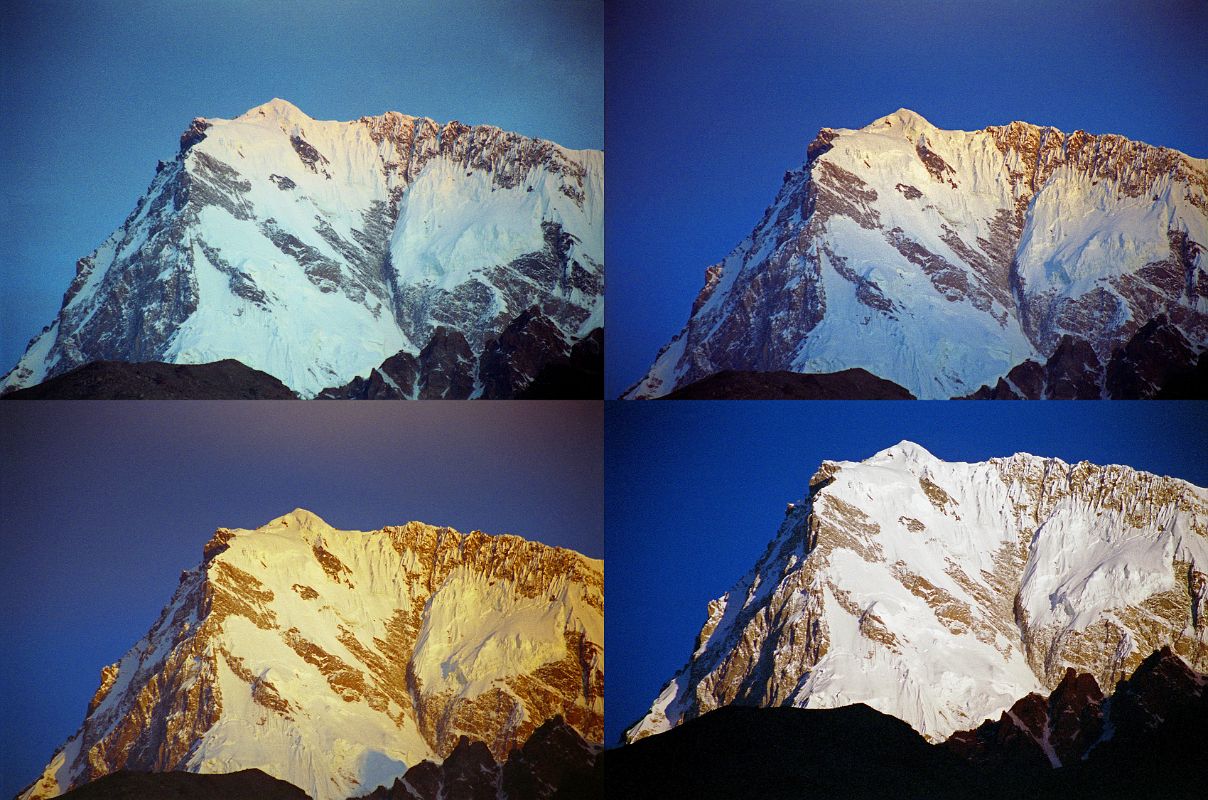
column 1014, row 259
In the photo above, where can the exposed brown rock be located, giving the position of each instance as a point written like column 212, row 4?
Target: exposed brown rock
column 948, row 279
column 868, row 293
column 937, row 166
column 334, row 568
column 218, row 544
column 108, row 676
column 838, row 192
column 194, row 133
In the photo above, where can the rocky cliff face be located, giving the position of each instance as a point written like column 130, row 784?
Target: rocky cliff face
column 1156, row 363
column 941, row 593
column 1164, row 697
column 337, row 659
column 940, row 260
column 555, row 762
column 314, row 250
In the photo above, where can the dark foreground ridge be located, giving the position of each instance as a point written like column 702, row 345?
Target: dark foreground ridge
column 554, row 763
column 155, row 380
column 249, row 783
column 530, row 360
column 1148, row 739
column 849, row 384
column 1157, row 363
column 790, row 753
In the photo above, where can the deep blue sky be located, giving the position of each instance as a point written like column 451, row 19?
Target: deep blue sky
column 708, row 104
column 93, row 94
column 105, row 503
column 694, row 491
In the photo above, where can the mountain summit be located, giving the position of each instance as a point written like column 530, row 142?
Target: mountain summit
column 941, row 593
column 335, row 660
column 944, row 261
column 314, row 251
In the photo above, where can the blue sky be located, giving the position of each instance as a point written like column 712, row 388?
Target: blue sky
column 708, row 104
column 95, row 93
column 694, row 491
column 106, row 502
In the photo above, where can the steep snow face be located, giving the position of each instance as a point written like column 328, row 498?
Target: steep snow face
column 314, row 250
column 941, row 592
column 940, row 259
column 337, row 659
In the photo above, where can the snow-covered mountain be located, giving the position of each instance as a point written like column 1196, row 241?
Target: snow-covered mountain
column 335, row 659
column 941, row 593
column 940, row 260
column 315, row 250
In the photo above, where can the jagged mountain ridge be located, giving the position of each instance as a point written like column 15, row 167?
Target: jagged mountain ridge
column 315, row 250
column 334, row 659
column 553, row 763
column 1076, row 721
column 940, row 260
column 941, row 592
column 1146, row 740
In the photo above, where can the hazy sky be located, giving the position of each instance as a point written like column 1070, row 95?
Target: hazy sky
column 696, row 490
column 104, row 503
column 709, row 104
column 94, row 93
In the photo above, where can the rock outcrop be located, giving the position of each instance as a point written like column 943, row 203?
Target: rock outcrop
column 554, row 763
column 1076, row 723
column 1156, row 363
